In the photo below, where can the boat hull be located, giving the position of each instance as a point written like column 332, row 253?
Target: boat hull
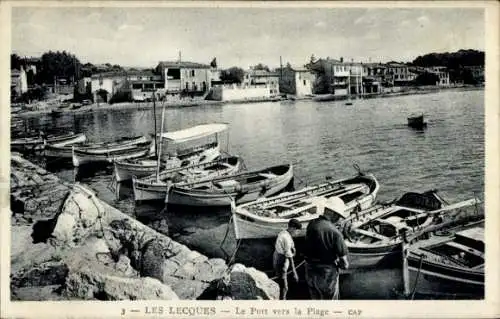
column 81, row 158
column 178, row 196
column 435, row 279
column 124, row 170
column 152, row 190
column 246, row 227
column 77, row 138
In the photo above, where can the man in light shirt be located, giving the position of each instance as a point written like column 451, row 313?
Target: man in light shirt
column 284, row 251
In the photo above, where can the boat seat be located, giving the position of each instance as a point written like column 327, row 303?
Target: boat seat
column 227, row 183
column 267, row 175
column 369, row 234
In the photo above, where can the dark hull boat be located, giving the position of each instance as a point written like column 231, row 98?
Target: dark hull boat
column 449, row 261
column 417, row 122
column 375, row 236
column 242, row 187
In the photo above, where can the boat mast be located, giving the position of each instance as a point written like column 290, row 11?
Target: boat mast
column 160, row 147
column 154, row 118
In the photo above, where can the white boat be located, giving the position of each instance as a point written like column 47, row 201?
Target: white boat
column 66, row 150
column 67, row 139
column 375, row 235
column 106, row 147
column 175, row 154
column 155, row 187
column 126, row 169
column 449, row 262
column 242, row 187
column 265, row 218
column 38, row 142
column 83, row 156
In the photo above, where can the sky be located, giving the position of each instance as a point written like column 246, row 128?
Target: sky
column 141, row 37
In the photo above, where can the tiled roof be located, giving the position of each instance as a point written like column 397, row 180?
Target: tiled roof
column 114, row 74
column 183, row 64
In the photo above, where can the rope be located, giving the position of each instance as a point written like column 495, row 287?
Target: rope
column 290, row 271
column 225, row 236
column 417, row 277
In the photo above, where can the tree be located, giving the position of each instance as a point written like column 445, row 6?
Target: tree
column 261, row 66
column 427, row 78
column 213, row 64
column 232, row 75
column 16, row 62
column 58, row 64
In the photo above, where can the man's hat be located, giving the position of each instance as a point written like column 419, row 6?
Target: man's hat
column 294, row 223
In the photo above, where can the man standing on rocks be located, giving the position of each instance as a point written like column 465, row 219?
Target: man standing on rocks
column 325, row 252
column 284, row 251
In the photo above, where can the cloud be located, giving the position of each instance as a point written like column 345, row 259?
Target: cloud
column 423, row 20
column 130, row 27
column 320, row 24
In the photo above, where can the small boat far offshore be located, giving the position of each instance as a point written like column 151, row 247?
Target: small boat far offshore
column 417, row 122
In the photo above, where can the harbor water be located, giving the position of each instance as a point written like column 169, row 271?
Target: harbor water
column 320, row 139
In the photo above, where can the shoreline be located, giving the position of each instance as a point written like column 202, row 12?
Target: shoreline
column 192, row 103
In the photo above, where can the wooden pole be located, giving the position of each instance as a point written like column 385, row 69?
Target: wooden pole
column 406, row 271
column 154, row 119
column 160, row 146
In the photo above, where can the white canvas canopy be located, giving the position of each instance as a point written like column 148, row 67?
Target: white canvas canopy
column 195, row 132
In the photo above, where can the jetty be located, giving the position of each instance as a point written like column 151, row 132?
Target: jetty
column 67, row 244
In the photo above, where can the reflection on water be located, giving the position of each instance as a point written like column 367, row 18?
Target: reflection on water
column 320, row 139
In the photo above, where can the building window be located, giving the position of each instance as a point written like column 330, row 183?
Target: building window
column 304, row 82
column 194, row 87
column 192, row 72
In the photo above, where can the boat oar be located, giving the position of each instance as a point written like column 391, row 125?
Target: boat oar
column 462, row 204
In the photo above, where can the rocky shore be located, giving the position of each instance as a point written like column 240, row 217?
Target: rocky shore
column 67, row 244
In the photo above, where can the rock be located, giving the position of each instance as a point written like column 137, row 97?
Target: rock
column 79, row 216
column 153, row 255
column 249, row 284
column 37, row 293
column 46, row 274
column 89, row 285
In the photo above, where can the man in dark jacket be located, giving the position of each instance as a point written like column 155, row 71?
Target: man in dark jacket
column 325, row 252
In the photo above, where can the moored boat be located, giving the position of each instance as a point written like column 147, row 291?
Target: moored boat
column 67, row 139
column 375, row 235
column 449, row 261
column 417, row 122
column 81, row 156
column 242, row 187
column 265, row 218
column 155, row 186
column 126, row 169
column 38, row 142
column 175, row 154
column 106, row 147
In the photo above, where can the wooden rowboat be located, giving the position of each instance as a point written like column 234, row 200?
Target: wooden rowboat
column 265, row 218
column 375, row 235
column 82, row 156
column 242, row 187
column 155, row 187
column 175, row 154
column 417, row 122
column 449, row 261
column 38, row 142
